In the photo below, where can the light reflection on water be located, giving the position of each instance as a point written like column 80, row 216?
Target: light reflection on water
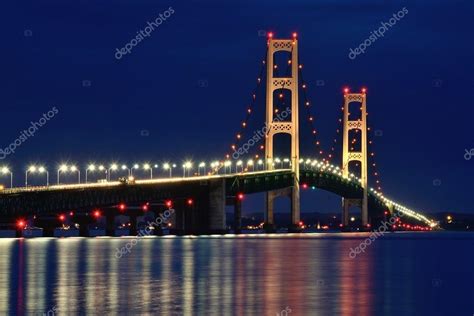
column 241, row 275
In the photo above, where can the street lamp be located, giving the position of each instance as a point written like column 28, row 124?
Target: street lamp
column 250, row 164
column 260, row 163
column 239, row 163
column 203, row 166
column 5, row 170
column 92, row 168
column 187, row 165
column 215, row 165
column 277, row 160
column 43, row 169
column 62, row 168
column 167, row 166
column 124, row 167
column 75, row 169
column 113, row 167
column 286, row 160
column 148, row 167
column 135, row 166
column 34, row 169
column 227, row 163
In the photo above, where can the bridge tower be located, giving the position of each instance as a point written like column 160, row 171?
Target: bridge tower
column 279, row 126
column 360, row 156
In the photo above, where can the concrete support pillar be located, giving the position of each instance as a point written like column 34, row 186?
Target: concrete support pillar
column 189, row 219
column 269, row 223
column 295, row 208
column 237, row 215
column 217, row 218
column 178, row 227
column 158, row 231
column 133, row 224
column 345, row 212
column 110, row 223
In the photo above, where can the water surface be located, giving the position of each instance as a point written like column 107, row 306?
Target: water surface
column 309, row 274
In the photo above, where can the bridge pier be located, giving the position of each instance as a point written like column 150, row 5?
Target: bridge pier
column 237, row 215
column 179, row 219
column 269, row 223
column 216, row 211
column 133, row 225
column 83, row 219
column 110, row 222
column 346, row 204
column 295, row 209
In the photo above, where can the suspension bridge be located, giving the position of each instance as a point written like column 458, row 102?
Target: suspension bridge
column 200, row 197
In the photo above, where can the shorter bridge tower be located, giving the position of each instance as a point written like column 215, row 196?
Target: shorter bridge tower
column 360, row 156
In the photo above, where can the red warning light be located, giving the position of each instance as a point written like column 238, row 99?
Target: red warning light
column 62, row 217
column 145, row 207
column 169, row 203
column 270, row 34
column 346, row 90
column 190, row 202
column 21, row 224
column 305, row 186
column 295, row 34
column 96, row 213
column 71, row 213
column 240, row 196
column 122, row 207
column 364, row 90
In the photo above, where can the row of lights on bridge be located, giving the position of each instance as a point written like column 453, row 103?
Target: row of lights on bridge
column 168, row 167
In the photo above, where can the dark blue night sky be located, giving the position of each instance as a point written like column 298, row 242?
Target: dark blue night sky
column 187, row 85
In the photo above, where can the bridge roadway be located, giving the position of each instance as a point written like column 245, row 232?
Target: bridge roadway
column 209, row 194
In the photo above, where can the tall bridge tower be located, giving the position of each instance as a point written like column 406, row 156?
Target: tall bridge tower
column 360, row 156
column 276, row 126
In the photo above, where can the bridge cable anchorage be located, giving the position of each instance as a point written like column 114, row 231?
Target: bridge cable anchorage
column 249, row 111
column 310, row 117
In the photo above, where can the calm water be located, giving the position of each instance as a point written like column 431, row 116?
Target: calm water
column 399, row 274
